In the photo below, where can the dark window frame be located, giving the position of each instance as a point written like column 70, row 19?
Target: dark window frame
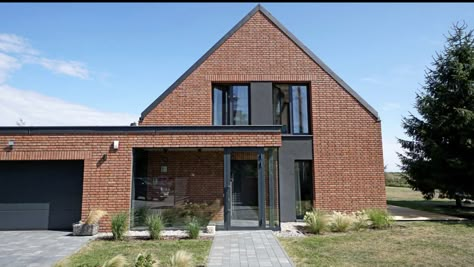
column 226, row 117
column 290, row 106
column 311, row 176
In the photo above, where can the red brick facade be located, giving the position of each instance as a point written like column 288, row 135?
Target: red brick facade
column 347, row 144
column 107, row 185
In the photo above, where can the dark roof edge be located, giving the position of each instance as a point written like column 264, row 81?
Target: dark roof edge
column 199, row 62
column 320, row 63
column 137, row 129
column 289, row 35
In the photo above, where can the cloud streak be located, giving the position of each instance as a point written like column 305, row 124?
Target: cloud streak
column 70, row 68
column 11, row 43
column 8, row 65
column 38, row 109
column 41, row 110
column 16, row 51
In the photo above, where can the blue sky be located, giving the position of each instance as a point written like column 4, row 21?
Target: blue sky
column 102, row 64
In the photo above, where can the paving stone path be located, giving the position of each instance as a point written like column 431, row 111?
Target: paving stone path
column 407, row 214
column 37, row 248
column 247, row 248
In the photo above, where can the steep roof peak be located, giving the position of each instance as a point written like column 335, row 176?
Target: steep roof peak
column 266, row 13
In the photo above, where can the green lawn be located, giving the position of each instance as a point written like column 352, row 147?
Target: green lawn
column 99, row 251
column 405, row 197
column 407, row 244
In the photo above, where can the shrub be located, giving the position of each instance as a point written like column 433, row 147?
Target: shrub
column 316, row 221
column 340, row 222
column 181, row 259
column 170, row 216
column 145, row 261
column 119, row 225
column 117, row 261
column 155, row 225
column 193, row 228
column 380, row 219
column 360, row 220
column 140, row 215
column 95, row 216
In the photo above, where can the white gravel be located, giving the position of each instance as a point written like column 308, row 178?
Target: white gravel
column 164, row 233
column 290, row 229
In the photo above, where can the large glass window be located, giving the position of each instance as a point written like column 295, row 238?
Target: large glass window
column 177, row 184
column 290, row 108
column 230, row 105
column 304, row 187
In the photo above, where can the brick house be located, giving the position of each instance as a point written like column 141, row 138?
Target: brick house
column 256, row 132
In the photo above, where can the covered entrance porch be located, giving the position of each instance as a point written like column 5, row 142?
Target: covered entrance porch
column 232, row 188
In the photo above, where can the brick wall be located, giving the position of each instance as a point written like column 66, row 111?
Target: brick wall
column 107, row 185
column 348, row 160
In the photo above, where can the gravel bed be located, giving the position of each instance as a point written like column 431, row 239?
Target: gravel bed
column 165, row 234
column 291, row 229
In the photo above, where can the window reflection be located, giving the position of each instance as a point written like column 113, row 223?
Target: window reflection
column 230, row 105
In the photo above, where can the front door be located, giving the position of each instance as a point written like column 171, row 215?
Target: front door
column 243, row 188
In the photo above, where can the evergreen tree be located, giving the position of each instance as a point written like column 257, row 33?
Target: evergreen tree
column 440, row 154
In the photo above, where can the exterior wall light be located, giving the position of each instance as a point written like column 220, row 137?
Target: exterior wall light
column 11, row 143
column 116, row 144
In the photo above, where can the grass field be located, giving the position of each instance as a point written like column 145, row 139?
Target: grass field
column 97, row 252
column 395, row 179
column 407, row 244
column 405, row 197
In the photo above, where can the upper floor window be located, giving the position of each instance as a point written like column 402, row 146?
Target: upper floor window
column 290, row 108
column 230, row 105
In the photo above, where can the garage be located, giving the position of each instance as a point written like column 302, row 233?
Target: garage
column 40, row 195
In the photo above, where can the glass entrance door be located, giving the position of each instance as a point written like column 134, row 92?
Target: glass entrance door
column 244, row 208
column 250, row 188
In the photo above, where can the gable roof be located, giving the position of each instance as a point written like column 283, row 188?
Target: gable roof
column 282, row 28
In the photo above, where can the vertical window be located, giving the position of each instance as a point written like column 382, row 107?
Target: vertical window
column 230, row 105
column 304, row 187
column 219, row 105
column 299, row 101
column 290, row 108
column 240, row 105
column 281, row 107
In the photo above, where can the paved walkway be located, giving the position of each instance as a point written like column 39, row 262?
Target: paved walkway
column 247, row 248
column 407, row 214
column 37, row 248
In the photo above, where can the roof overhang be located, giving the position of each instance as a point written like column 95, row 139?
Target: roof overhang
column 32, row 130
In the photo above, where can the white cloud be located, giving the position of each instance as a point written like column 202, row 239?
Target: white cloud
column 390, row 156
column 11, row 43
column 8, row 64
column 389, row 106
column 71, row 68
column 19, row 50
column 37, row 109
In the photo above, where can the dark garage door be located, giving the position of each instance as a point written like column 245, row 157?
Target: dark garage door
column 40, row 194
